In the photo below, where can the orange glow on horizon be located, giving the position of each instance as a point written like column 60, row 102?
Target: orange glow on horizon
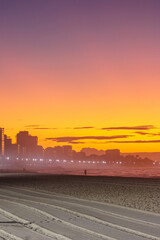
column 68, row 66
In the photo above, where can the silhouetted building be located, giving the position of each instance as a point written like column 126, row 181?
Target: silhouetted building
column 27, row 144
column 7, row 145
column 1, row 141
column 49, row 152
column 78, row 155
column 14, row 150
column 59, row 153
column 67, row 151
column 112, row 154
column 89, row 151
column 39, row 151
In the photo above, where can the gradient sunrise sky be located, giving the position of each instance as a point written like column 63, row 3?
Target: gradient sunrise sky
column 82, row 72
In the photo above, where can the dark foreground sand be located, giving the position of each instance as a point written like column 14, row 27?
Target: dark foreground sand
column 137, row 193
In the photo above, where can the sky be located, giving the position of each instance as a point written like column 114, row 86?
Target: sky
column 82, row 72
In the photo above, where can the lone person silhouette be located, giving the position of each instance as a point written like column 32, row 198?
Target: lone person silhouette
column 85, row 172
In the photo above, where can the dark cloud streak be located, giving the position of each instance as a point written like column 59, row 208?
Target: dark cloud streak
column 41, row 128
column 142, row 133
column 83, row 128
column 73, row 139
column 136, row 141
column 150, row 134
column 38, row 127
column 144, row 127
column 31, row 126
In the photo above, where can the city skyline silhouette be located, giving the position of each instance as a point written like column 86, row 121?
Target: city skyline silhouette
column 28, row 146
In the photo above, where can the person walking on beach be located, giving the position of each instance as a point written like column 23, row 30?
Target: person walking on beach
column 85, row 172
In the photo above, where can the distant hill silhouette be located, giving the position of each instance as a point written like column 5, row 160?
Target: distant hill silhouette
column 92, row 151
column 155, row 156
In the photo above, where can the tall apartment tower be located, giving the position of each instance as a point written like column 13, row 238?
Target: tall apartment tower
column 27, row 144
column 1, row 141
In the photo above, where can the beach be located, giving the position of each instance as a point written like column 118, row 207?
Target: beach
column 138, row 193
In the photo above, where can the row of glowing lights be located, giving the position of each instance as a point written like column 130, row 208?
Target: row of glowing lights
column 50, row 160
column 57, row 160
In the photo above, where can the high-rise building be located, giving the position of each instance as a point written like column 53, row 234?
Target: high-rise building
column 112, row 154
column 59, row 153
column 67, row 151
column 7, row 145
column 10, row 149
column 27, row 144
column 1, row 141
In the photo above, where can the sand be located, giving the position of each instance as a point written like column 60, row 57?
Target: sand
column 138, row 193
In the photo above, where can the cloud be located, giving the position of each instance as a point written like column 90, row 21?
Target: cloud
column 41, row 128
column 154, row 134
column 83, row 127
column 143, row 127
column 73, row 139
column 136, row 141
column 142, row 133
column 38, row 127
column 150, row 134
column 31, row 126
